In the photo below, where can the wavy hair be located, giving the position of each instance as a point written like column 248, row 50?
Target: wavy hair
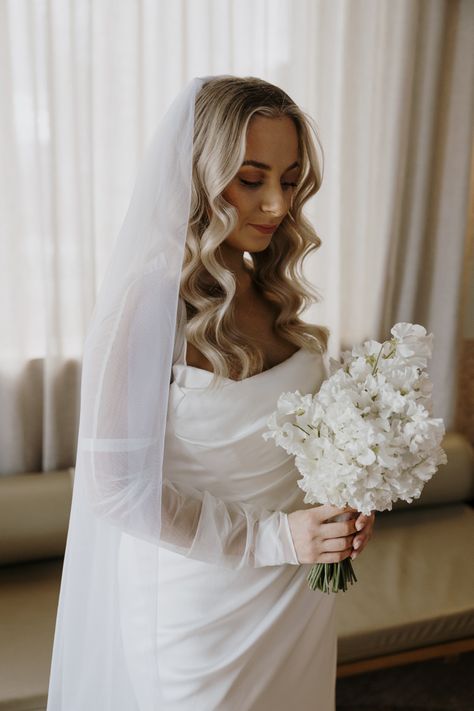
column 223, row 109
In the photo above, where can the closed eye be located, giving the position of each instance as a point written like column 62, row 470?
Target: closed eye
column 250, row 184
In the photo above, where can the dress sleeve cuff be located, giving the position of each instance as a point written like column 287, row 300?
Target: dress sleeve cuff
column 274, row 543
column 290, row 546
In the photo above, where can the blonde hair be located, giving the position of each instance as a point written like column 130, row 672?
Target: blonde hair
column 223, row 109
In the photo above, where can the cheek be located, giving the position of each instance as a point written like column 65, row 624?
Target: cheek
column 241, row 201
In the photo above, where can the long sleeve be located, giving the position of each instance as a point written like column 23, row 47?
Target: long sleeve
column 125, row 487
column 204, row 527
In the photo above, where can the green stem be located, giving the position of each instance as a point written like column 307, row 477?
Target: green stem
column 301, row 428
column 374, row 369
column 333, row 577
column 394, row 350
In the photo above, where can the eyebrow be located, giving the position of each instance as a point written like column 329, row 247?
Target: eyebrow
column 264, row 166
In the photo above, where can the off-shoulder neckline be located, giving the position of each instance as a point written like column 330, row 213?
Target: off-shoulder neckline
column 275, row 367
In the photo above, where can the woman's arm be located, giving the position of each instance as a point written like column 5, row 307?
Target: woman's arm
column 120, row 455
column 198, row 525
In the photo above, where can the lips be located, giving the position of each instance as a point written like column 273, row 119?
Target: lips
column 265, row 229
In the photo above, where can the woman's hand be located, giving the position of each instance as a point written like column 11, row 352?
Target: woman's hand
column 365, row 526
column 318, row 540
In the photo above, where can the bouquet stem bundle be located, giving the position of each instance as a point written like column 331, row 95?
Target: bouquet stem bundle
column 332, row 577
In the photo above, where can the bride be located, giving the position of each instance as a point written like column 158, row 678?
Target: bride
column 196, row 332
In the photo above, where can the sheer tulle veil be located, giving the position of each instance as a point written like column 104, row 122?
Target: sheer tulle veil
column 124, row 397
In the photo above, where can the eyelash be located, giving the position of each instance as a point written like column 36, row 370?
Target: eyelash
column 249, row 184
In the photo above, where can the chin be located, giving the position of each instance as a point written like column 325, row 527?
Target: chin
column 259, row 247
column 259, row 244
column 244, row 243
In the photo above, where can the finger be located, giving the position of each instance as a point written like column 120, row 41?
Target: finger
column 329, row 513
column 326, row 511
column 335, row 545
column 334, row 557
column 360, row 542
column 336, row 530
column 358, row 551
column 362, row 520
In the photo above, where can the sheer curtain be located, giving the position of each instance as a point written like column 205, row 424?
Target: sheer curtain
column 390, row 86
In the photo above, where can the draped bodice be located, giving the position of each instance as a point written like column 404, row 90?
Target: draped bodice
column 215, row 435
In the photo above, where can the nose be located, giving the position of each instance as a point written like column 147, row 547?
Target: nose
column 274, row 201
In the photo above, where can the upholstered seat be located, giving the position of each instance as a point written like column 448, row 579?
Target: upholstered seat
column 415, row 584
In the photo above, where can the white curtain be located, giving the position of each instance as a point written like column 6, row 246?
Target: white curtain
column 84, row 82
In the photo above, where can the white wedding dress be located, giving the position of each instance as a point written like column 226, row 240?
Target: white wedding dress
column 238, row 629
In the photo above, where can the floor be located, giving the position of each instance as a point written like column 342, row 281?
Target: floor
column 434, row 685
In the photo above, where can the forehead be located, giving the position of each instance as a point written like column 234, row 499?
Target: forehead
column 272, row 140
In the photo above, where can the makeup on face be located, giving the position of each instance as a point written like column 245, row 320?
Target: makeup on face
column 263, row 188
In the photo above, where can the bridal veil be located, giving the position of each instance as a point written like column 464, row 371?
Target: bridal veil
column 124, row 396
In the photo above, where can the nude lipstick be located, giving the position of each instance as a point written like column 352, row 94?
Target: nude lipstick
column 265, row 229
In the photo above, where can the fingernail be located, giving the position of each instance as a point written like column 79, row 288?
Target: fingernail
column 356, row 544
column 359, row 525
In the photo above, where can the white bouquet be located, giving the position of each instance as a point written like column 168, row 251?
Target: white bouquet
column 366, row 438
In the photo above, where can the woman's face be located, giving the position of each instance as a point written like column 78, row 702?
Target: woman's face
column 263, row 188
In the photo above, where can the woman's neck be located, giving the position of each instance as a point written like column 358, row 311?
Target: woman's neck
column 234, row 261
